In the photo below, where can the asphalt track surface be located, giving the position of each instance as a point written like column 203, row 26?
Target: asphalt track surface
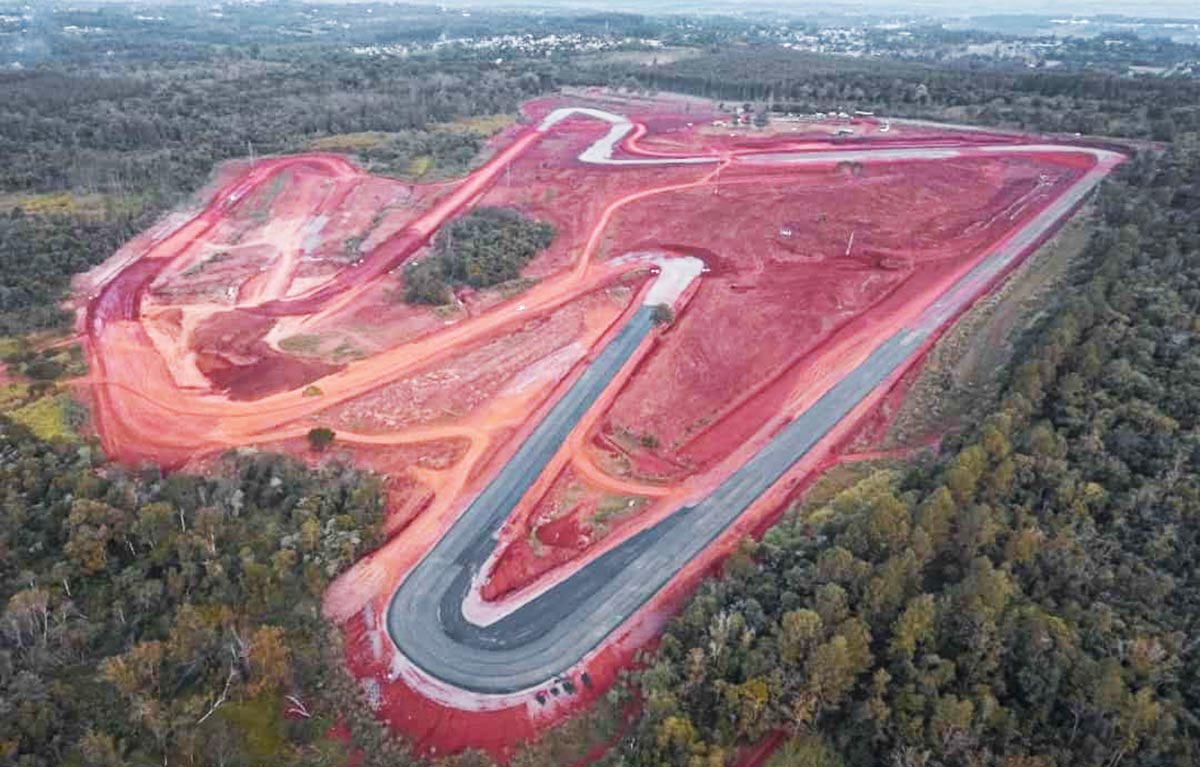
column 549, row 634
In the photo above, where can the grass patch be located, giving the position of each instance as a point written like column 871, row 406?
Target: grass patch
column 46, row 365
column 484, row 125
column 94, row 206
column 11, row 346
column 631, row 441
column 809, row 750
column 12, row 396
column 614, row 507
column 55, row 417
column 260, row 205
column 536, row 545
column 419, row 166
column 958, row 378
column 301, row 344
column 350, row 142
column 447, row 311
column 833, row 482
column 346, row 349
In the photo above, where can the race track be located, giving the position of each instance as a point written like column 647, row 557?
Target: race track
column 552, row 632
column 563, row 470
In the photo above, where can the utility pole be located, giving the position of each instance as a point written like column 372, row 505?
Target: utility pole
column 250, row 146
column 849, row 243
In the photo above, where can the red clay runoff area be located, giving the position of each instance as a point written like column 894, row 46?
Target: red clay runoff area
column 274, row 308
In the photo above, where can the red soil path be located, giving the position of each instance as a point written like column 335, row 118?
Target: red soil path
column 272, row 309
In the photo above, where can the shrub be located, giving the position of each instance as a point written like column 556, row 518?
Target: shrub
column 320, row 438
column 662, row 314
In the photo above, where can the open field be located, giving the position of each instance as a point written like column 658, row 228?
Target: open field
column 564, row 469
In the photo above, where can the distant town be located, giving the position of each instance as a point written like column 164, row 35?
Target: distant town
column 31, row 33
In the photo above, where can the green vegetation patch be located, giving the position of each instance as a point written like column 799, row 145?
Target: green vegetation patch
column 662, row 314
column 419, row 166
column 301, row 344
column 260, row 723
column 350, row 141
column 484, row 125
column 201, row 265
column 484, row 248
column 69, row 204
column 320, row 438
column 442, row 151
column 12, row 396
column 45, row 365
column 613, row 507
column 55, row 417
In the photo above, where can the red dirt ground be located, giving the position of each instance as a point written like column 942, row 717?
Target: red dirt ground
column 274, row 308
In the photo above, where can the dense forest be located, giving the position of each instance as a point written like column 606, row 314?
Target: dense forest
column 1027, row 598
column 151, row 619
column 485, row 247
column 38, row 255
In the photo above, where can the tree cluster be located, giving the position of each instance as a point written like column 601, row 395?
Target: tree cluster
column 483, row 248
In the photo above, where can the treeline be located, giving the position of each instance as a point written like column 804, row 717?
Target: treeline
column 1029, row 599
column 1083, row 102
column 485, row 247
column 175, row 620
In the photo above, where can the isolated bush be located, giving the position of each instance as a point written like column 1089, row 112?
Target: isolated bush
column 662, row 314
column 320, row 438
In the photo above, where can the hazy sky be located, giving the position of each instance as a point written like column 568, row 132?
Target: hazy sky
column 1189, row 9
column 956, row 8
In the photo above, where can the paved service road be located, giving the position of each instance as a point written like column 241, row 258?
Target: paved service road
column 552, row 632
